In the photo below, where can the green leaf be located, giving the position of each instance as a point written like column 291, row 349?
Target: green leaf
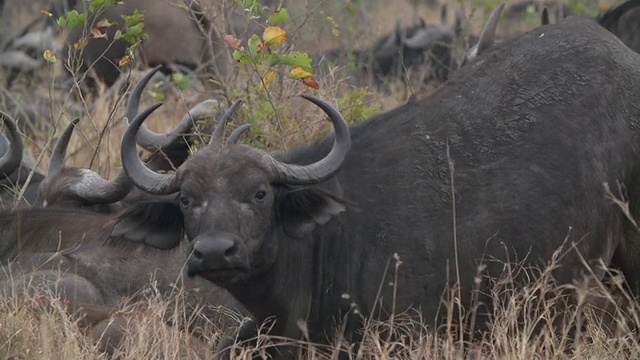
column 95, row 5
column 296, row 58
column 182, row 80
column 133, row 19
column 241, row 57
column 251, row 7
column 74, row 19
column 279, row 16
column 253, row 44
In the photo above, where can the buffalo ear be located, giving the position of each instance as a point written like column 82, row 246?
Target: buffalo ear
column 303, row 210
column 152, row 223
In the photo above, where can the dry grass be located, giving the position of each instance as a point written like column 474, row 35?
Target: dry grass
column 522, row 327
column 534, row 322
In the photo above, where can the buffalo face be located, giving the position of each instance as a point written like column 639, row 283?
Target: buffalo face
column 228, row 210
column 239, row 202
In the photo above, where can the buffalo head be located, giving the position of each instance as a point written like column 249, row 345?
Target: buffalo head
column 237, row 197
column 76, row 187
column 72, row 186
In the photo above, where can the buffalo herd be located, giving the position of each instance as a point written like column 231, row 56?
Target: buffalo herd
column 509, row 162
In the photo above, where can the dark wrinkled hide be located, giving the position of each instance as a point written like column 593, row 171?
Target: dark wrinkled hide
column 176, row 36
column 624, row 22
column 532, row 129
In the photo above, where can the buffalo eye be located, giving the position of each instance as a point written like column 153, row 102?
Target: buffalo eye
column 260, row 196
column 184, row 201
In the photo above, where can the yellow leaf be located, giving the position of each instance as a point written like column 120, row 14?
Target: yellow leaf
column 49, row 56
column 300, row 73
column 268, row 78
column 45, row 12
column 124, row 61
column 273, row 35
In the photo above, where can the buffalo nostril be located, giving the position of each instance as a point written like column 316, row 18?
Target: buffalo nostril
column 232, row 251
column 197, row 255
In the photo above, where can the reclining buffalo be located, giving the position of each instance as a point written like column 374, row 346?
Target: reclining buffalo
column 100, row 242
column 94, row 261
column 500, row 168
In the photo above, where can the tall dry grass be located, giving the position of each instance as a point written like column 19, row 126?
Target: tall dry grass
column 540, row 320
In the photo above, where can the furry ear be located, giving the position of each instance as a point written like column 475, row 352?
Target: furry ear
column 302, row 210
column 152, row 223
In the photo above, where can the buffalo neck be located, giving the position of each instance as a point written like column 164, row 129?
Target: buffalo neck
column 301, row 287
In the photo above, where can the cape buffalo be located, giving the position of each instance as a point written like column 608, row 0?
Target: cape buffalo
column 62, row 250
column 502, row 165
column 624, row 22
column 74, row 187
column 100, row 260
column 178, row 33
column 392, row 54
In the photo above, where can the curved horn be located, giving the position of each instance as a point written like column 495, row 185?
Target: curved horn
column 218, row 132
column 91, row 186
column 97, row 190
column 235, row 134
column 10, row 161
column 150, row 140
column 140, row 175
column 488, row 35
column 323, row 169
column 545, row 16
column 56, row 164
